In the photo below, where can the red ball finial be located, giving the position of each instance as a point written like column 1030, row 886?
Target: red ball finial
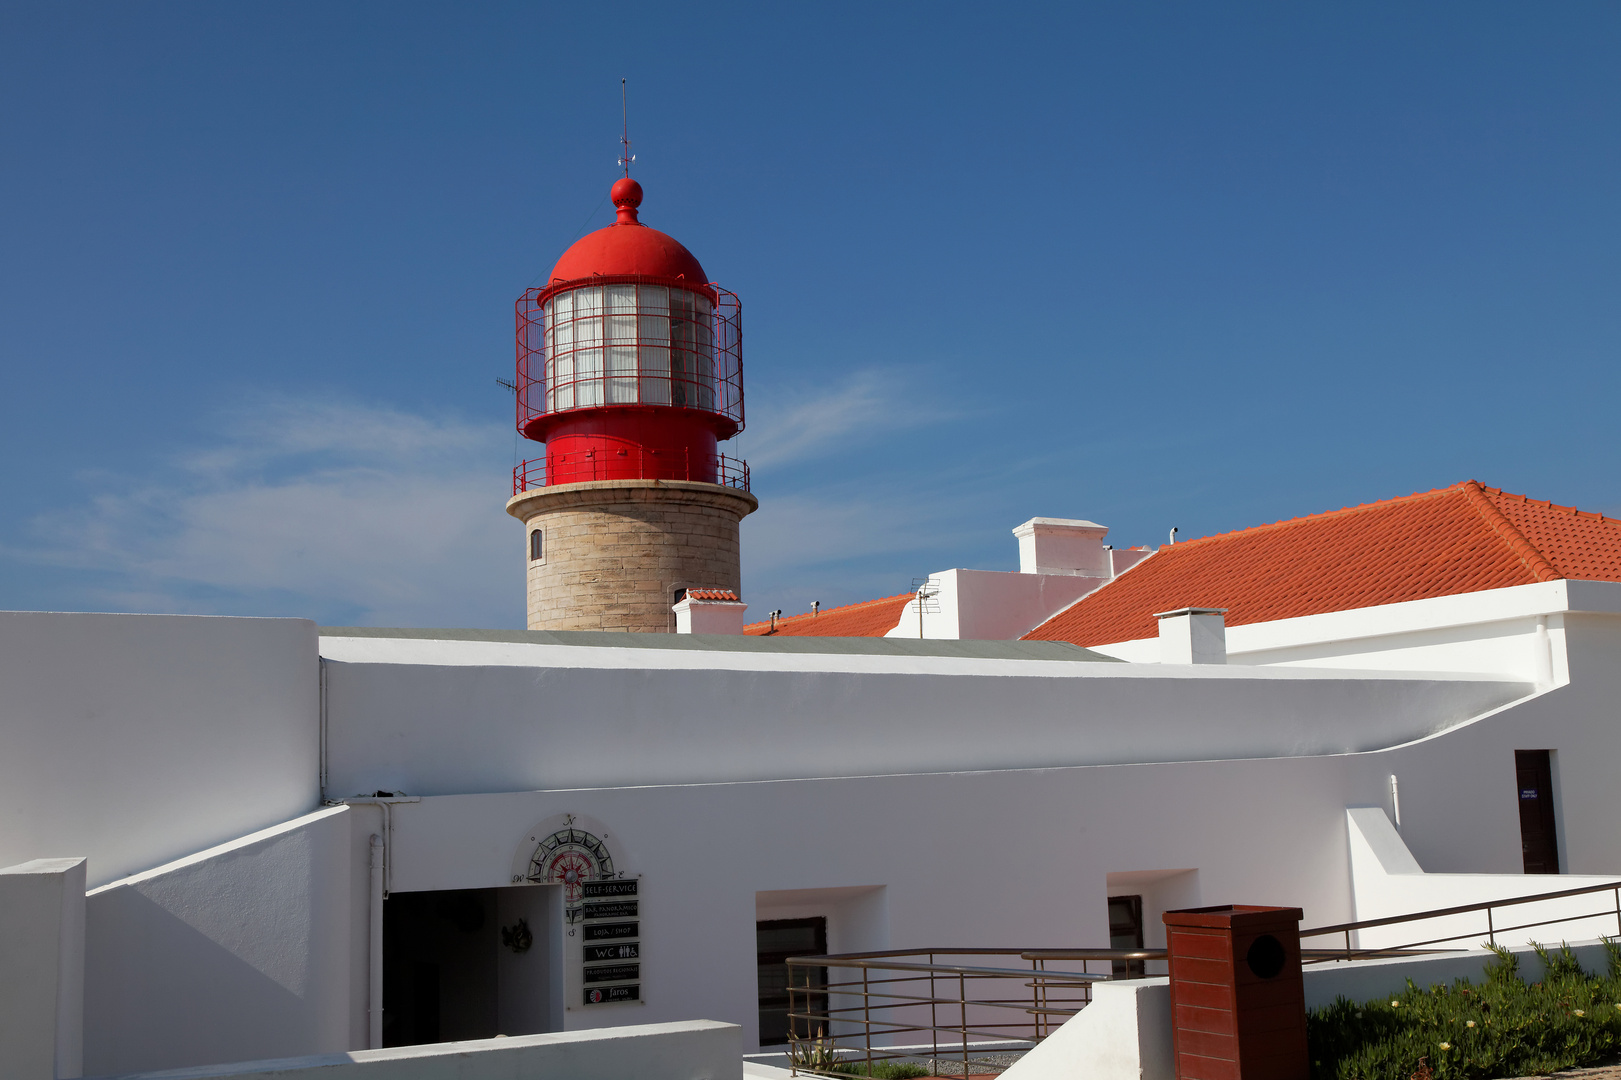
column 627, row 196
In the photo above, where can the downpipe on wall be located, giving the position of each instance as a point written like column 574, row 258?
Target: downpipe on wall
column 374, row 952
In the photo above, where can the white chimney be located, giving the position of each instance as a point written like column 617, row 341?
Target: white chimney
column 1063, row 546
column 1193, row 635
column 709, row 611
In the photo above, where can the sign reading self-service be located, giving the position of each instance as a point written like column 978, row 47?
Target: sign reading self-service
column 610, row 929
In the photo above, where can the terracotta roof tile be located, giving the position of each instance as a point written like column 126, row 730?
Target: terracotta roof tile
column 711, row 594
column 870, row 618
column 1460, row 539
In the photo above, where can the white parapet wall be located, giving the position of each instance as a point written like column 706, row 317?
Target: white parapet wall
column 42, row 969
column 690, row 1050
column 1124, row 1034
column 240, row 951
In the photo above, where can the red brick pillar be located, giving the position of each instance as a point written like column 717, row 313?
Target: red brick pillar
column 1238, row 1005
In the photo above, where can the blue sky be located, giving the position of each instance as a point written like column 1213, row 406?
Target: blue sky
column 1160, row 264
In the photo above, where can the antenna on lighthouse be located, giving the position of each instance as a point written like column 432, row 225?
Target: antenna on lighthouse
column 626, row 157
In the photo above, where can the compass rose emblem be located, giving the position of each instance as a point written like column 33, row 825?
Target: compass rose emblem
column 570, row 857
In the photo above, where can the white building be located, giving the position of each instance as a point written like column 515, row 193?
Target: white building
column 247, row 791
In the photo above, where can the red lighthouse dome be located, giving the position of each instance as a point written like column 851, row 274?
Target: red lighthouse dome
column 629, row 247
column 630, row 361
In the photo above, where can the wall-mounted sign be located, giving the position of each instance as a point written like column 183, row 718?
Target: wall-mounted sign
column 613, row 973
column 601, row 905
column 613, row 931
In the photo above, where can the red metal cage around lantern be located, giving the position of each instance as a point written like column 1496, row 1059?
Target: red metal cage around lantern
column 633, row 342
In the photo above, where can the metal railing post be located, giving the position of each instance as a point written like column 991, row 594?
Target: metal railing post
column 866, row 1016
column 934, row 1016
column 793, row 1029
column 962, row 1000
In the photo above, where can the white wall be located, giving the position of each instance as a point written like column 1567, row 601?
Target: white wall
column 1517, row 632
column 42, row 969
column 135, row 739
column 990, row 605
column 1386, row 881
column 1020, row 857
column 697, row 1050
column 242, row 951
column 857, row 917
column 444, row 717
column 529, row 984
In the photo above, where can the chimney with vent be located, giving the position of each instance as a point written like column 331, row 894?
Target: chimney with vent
column 1192, row 635
column 709, row 611
column 1063, row 546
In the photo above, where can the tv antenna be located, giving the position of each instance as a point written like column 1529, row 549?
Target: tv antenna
column 926, row 593
column 625, row 157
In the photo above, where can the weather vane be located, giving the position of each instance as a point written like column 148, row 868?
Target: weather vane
column 624, row 138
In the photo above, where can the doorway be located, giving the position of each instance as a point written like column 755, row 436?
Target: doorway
column 775, row 940
column 1539, row 830
column 1126, row 932
column 470, row 964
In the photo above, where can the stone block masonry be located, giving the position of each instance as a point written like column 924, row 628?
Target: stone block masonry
column 615, row 551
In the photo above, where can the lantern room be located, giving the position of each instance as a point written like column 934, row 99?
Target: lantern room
column 630, row 362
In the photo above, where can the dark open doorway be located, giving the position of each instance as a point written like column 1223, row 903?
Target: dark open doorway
column 1539, row 832
column 1126, row 932
column 775, row 940
column 439, row 966
column 470, row 964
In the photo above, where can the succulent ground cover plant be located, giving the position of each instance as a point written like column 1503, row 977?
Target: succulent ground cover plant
column 1501, row 1026
column 820, row 1055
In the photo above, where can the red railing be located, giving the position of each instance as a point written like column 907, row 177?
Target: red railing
column 633, row 465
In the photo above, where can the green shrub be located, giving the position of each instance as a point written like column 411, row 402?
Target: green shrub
column 1500, row 1027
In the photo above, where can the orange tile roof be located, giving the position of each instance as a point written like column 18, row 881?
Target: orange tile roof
column 870, row 618
column 1459, row 539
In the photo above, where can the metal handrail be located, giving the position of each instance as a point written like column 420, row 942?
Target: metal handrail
column 1486, row 907
column 865, row 1016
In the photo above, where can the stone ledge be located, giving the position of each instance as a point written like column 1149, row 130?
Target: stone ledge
column 596, row 494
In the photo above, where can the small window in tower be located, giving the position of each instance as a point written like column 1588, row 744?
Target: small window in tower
column 537, row 546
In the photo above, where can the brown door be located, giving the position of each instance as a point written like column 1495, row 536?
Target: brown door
column 1539, row 839
column 775, row 941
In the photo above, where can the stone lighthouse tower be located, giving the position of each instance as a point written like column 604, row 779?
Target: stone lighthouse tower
column 630, row 370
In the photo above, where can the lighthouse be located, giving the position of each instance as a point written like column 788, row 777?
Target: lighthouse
column 630, row 371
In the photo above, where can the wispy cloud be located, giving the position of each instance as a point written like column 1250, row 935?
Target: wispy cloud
column 335, row 511
column 795, row 424
column 375, row 515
